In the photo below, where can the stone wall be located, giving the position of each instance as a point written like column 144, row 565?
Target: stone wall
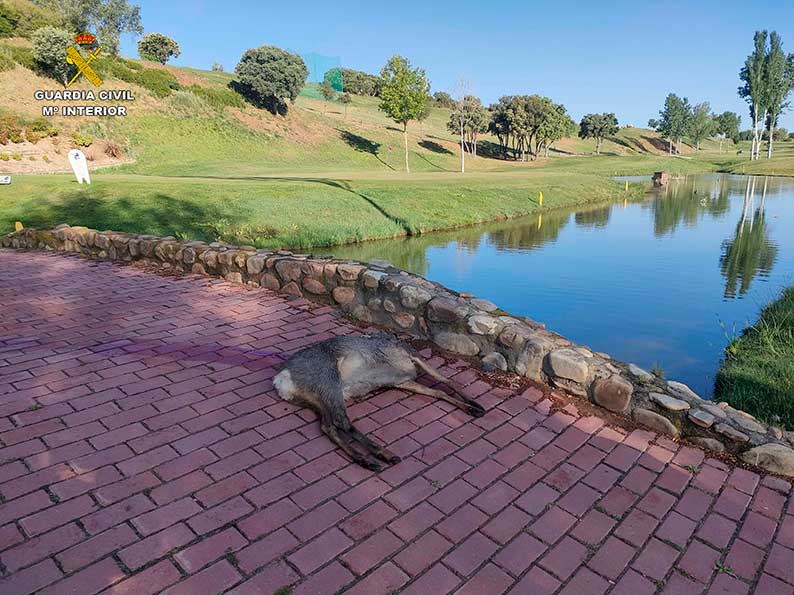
column 460, row 323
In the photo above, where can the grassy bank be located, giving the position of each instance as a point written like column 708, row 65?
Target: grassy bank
column 757, row 375
column 295, row 211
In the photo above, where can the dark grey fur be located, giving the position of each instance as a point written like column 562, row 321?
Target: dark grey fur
column 324, row 375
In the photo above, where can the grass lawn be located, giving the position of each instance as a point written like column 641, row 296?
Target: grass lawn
column 294, row 211
column 758, row 373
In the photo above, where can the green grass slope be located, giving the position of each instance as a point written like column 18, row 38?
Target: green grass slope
column 757, row 375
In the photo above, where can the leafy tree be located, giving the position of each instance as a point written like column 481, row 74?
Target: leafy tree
column 107, row 18
column 557, row 125
column 269, row 76
column 345, row 99
column 778, row 83
column 598, row 126
column 328, row 93
column 470, row 117
column 156, row 47
column 674, row 120
column 217, row 67
column 444, row 99
column 353, row 81
column 404, row 94
column 702, row 123
column 753, row 88
column 49, row 52
column 727, row 124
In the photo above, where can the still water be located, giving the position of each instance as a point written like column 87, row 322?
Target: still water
column 665, row 281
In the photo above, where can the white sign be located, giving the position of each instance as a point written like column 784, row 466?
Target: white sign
column 79, row 165
column 5, row 180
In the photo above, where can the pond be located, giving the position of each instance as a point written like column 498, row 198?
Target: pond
column 663, row 282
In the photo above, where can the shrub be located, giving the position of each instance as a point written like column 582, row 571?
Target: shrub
column 113, row 150
column 49, row 52
column 7, row 61
column 10, row 129
column 44, row 125
column 21, row 55
column 218, row 98
column 157, row 47
column 82, row 140
column 159, row 82
column 45, row 159
column 17, row 157
column 217, row 67
column 4, row 156
column 32, row 158
column 268, row 76
column 187, row 103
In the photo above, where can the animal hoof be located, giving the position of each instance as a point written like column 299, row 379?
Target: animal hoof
column 476, row 411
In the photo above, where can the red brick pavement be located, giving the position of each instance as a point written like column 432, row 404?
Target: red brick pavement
column 142, row 449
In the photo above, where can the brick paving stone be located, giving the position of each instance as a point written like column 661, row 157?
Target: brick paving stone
column 163, row 461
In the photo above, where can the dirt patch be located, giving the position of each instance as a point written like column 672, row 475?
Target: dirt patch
column 297, row 126
column 49, row 156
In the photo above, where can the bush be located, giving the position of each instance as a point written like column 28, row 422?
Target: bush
column 22, row 56
column 82, row 140
column 7, row 61
column 186, row 102
column 217, row 67
column 157, row 47
column 45, row 159
column 113, row 150
column 268, row 76
column 49, row 52
column 16, row 157
column 10, row 129
column 218, row 98
column 353, row 81
column 4, row 156
column 159, row 82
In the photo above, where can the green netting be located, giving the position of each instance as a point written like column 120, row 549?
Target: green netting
column 323, row 69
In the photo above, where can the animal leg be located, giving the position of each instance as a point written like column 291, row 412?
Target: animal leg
column 379, row 451
column 433, row 373
column 345, row 442
column 460, row 401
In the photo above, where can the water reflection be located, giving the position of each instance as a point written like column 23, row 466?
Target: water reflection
column 750, row 252
column 648, row 281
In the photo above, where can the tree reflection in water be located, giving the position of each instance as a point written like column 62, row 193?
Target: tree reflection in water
column 750, row 252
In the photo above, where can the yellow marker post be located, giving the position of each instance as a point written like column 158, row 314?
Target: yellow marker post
column 627, row 185
column 18, row 226
column 540, row 199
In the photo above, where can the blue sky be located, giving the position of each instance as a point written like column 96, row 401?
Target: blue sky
column 592, row 56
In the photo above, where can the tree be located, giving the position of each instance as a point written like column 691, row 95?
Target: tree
column 269, row 76
column 701, row 125
column 558, row 125
column 328, row 92
column 753, row 89
column 727, row 124
column 346, row 99
column 353, row 81
column 778, row 82
column 107, row 18
column 598, row 126
column 444, row 99
column 468, row 120
column 157, row 47
column 49, row 52
column 404, row 94
column 674, row 120
column 217, row 67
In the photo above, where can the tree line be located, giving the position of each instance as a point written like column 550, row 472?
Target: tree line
column 679, row 120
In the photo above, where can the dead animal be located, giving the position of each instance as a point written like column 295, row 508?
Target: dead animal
column 327, row 374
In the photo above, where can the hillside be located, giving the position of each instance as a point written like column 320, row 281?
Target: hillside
column 192, row 158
